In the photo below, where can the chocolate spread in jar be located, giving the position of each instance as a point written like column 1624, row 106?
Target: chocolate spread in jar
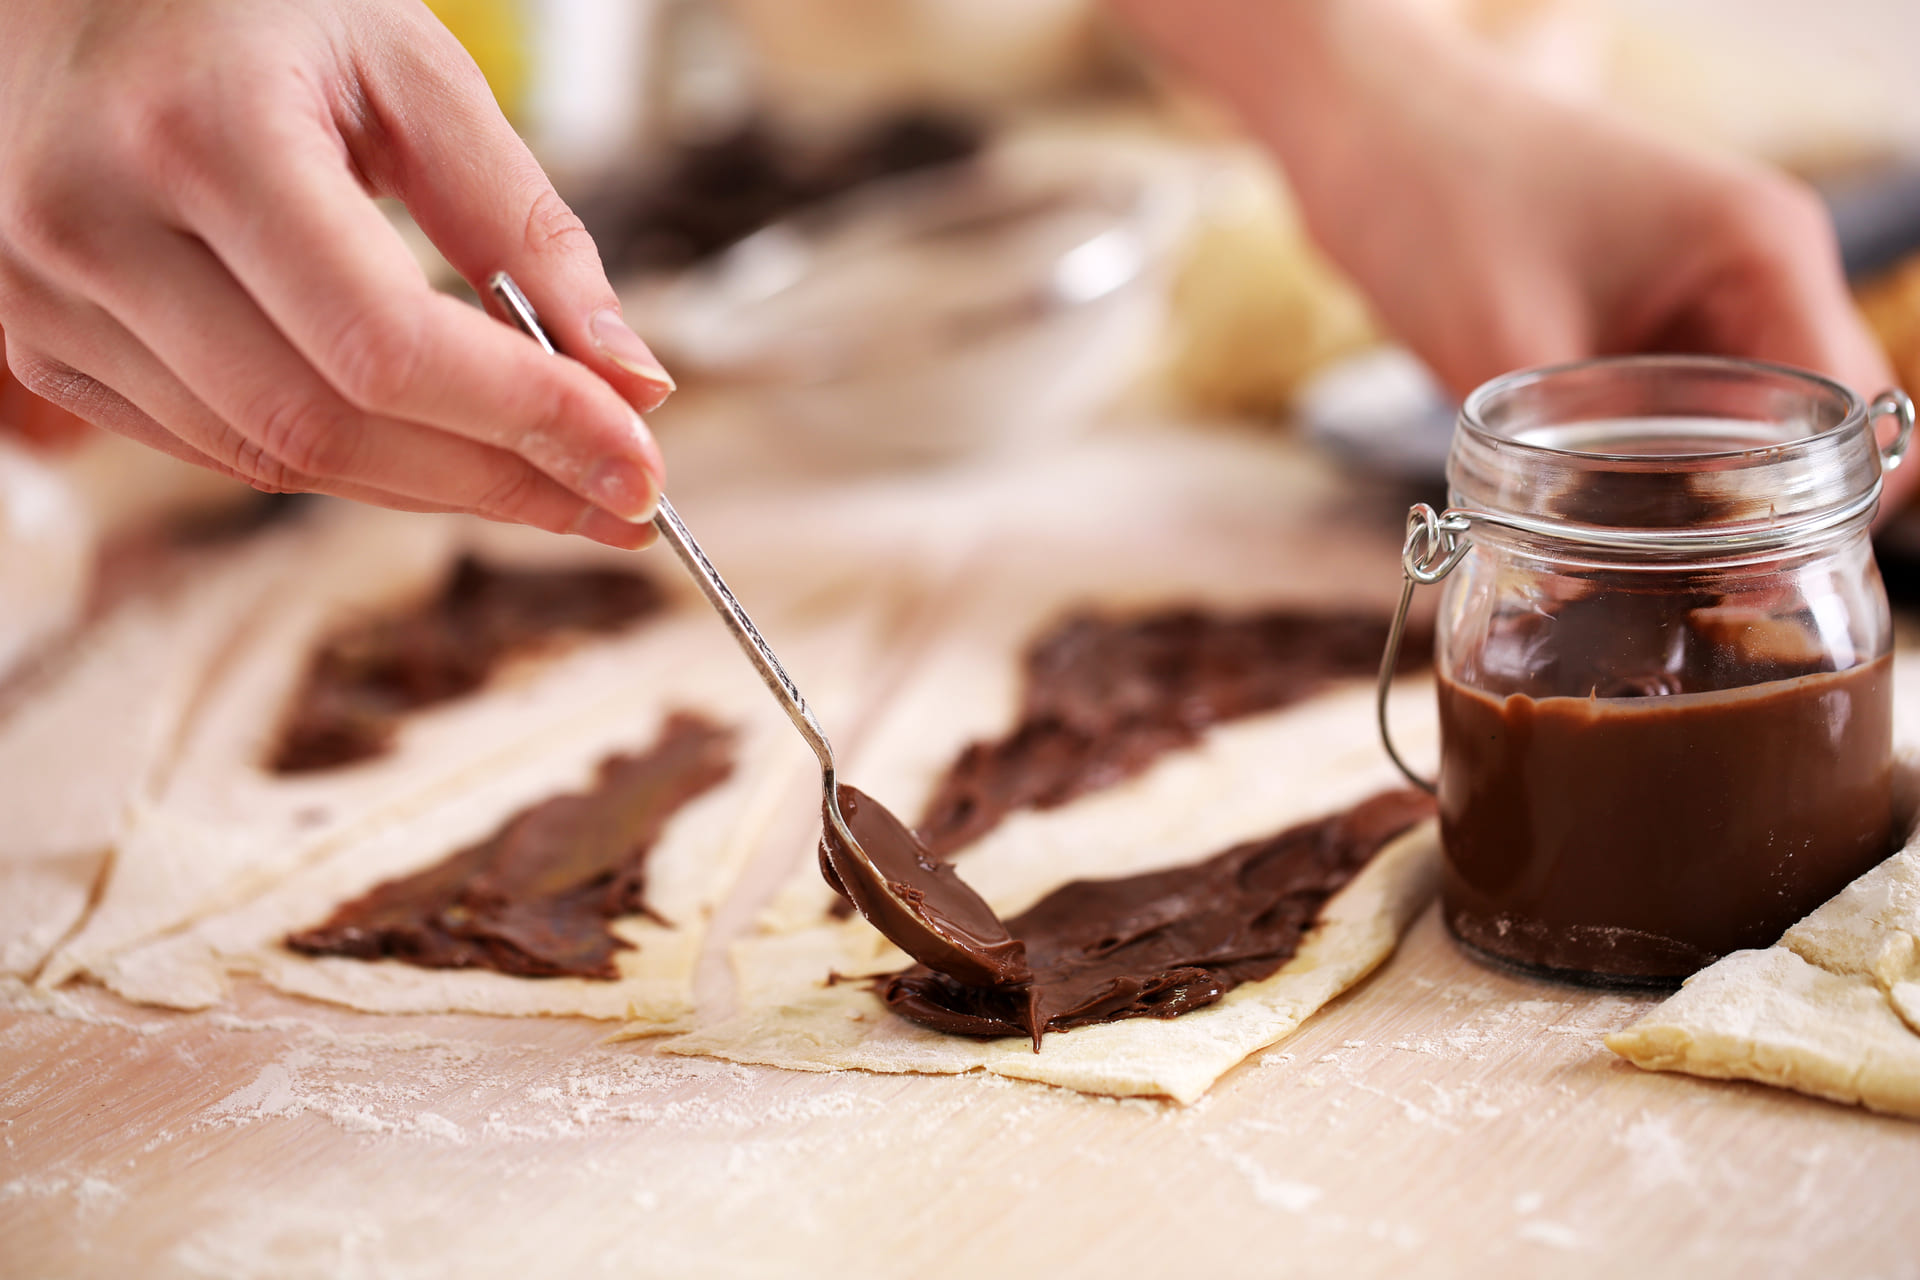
column 1106, row 697
column 537, row 897
column 1716, row 784
column 1163, row 943
column 365, row 679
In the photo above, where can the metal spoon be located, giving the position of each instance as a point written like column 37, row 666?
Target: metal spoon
column 915, row 899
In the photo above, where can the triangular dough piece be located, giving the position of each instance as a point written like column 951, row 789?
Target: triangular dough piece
column 1870, row 929
column 88, row 743
column 832, row 1028
column 966, row 685
column 1247, row 779
column 1772, row 1017
column 216, row 826
column 612, row 698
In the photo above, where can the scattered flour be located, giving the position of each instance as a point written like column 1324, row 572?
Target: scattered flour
column 1554, row 1235
column 1658, row 1156
column 92, row 1194
column 1271, row 1191
column 18, row 996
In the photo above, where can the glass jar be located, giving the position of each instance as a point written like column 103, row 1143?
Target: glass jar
column 1662, row 658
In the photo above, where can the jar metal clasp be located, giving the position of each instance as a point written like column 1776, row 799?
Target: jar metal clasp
column 1437, row 542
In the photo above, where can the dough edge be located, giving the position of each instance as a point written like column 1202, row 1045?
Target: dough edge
column 1772, row 1017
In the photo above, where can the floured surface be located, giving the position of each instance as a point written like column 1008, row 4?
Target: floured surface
column 1441, row 1120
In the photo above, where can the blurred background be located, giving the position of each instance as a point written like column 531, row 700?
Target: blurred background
column 909, row 230
column 888, row 234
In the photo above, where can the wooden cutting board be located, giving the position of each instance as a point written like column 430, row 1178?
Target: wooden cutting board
column 1441, row 1119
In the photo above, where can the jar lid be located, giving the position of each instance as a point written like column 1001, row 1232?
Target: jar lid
column 1670, row 453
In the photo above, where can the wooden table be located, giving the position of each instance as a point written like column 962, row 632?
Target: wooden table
column 1442, row 1119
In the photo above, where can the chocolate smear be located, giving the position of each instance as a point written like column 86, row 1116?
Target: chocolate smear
column 1163, row 943
column 535, row 899
column 1106, row 697
column 366, row 678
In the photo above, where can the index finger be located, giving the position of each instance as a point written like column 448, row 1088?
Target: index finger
column 335, row 278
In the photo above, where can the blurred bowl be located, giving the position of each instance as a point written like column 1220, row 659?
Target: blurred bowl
column 970, row 309
column 1381, row 414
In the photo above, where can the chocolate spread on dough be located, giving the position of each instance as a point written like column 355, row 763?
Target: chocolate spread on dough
column 1167, row 942
column 1105, row 697
column 1634, row 784
column 944, row 923
column 364, row 679
column 536, row 898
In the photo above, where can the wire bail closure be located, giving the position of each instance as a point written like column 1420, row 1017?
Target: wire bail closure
column 1895, row 404
column 1434, row 545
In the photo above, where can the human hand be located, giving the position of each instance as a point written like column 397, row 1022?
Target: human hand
column 189, row 256
column 36, row 421
column 1496, row 227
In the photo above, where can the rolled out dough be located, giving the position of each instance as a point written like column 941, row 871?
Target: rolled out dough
column 967, row 685
column 688, row 870
column 1246, row 779
column 496, row 755
column 291, row 849
column 213, row 826
column 1772, row 1017
column 830, row 1028
column 91, row 739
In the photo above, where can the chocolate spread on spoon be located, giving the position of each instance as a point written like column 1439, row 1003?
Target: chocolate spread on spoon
column 937, row 919
column 1106, row 697
column 1163, row 943
column 365, row 679
column 536, row 897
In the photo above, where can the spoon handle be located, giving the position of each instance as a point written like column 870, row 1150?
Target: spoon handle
column 674, row 531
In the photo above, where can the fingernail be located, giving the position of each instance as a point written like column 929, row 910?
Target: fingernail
column 622, row 486
column 614, row 340
column 613, row 531
column 644, row 442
